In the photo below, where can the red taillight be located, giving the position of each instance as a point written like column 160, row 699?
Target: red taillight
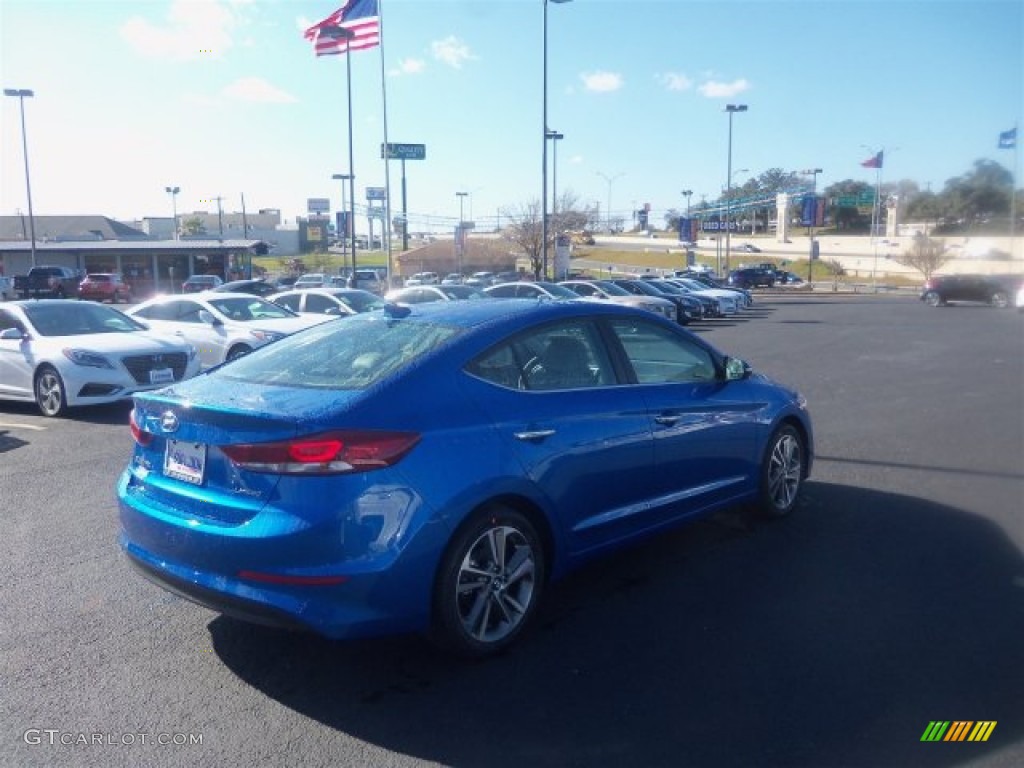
column 141, row 436
column 325, row 454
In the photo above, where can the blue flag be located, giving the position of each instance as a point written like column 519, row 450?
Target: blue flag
column 1008, row 139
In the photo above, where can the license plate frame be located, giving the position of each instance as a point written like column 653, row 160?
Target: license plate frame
column 185, row 461
column 161, row 376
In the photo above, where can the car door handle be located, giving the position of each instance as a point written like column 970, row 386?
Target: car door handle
column 534, row 434
column 667, row 420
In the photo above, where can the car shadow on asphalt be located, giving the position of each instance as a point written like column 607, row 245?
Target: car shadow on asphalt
column 833, row 637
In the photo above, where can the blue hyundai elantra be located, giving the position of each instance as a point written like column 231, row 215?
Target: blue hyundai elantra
column 434, row 468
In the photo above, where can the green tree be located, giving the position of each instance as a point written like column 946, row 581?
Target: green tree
column 193, row 226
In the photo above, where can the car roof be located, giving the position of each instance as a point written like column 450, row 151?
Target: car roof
column 468, row 314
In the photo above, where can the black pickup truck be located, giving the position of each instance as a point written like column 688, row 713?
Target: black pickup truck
column 48, row 282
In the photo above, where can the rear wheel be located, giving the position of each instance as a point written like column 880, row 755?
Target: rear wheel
column 489, row 584
column 932, row 299
column 782, row 472
column 1000, row 299
column 49, row 390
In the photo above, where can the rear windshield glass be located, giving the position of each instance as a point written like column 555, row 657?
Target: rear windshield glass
column 353, row 353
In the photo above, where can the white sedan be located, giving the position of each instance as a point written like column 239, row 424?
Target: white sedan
column 222, row 326
column 61, row 354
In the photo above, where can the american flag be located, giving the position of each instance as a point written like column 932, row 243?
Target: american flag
column 360, row 17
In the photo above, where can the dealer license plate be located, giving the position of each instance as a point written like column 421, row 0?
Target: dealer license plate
column 185, row 461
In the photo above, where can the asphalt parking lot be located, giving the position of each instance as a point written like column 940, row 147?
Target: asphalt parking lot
column 892, row 598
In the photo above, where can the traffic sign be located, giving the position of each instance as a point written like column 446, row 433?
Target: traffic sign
column 405, row 151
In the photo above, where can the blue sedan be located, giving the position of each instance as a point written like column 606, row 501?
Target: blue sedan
column 434, row 468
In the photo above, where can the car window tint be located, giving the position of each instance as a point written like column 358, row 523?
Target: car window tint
column 315, row 302
column 188, row 312
column 659, row 356
column 560, row 356
column 7, row 321
column 292, row 302
column 356, row 354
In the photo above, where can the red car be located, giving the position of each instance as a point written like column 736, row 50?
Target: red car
column 105, row 286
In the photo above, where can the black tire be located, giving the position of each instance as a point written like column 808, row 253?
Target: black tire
column 782, row 472
column 237, row 351
column 489, row 583
column 51, row 396
column 1000, row 299
column 932, row 299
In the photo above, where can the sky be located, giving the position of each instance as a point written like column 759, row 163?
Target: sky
column 225, row 99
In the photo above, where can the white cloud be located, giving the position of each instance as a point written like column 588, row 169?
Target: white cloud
column 451, row 51
column 257, row 90
column 194, row 29
column 601, row 82
column 715, row 89
column 675, row 81
column 408, row 67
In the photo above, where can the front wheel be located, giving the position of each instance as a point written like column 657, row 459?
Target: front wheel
column 50, row 393
column 1000, row 299
column 489, row 584
column 782, row 472
column 932, row 299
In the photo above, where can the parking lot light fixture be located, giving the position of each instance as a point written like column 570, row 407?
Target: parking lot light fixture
column 544, row 145
column 731, row 109
column 173, row 192
column 21, row 94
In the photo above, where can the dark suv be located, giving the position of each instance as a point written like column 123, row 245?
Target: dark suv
column 752, row 277
column 997, row 290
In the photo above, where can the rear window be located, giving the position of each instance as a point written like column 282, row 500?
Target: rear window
column 354, row 354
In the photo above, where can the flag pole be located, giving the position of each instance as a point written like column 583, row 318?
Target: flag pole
column 387, row 161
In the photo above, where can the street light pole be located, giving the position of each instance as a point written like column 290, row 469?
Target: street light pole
column 343, row 177
column 813, row 173
column 460, row 240
column 610, row 180
column 544, row 146
column 731, row 109
column 173, row 192
column 346, row 34
column 21, row 94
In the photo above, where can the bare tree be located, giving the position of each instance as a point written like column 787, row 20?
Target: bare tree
column 525, row 230
column 925, row 255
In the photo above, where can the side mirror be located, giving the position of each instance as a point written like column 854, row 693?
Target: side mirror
column 13, row 334
column 209, row 319
column 736, row 369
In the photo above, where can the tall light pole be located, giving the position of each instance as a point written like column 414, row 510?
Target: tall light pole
column 731, row 109
column 344, row 33
column 173, row 192
column 544, row 145
column 21, row 94
column 349, row 224
column 689, row 227
column 813, row 173
column 610, row 180
column 460, row 240
column 555, row 137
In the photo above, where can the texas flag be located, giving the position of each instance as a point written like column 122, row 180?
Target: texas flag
column 874, row 161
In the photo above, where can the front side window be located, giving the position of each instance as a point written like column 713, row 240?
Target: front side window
column 554, row 357
column 659, row 356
